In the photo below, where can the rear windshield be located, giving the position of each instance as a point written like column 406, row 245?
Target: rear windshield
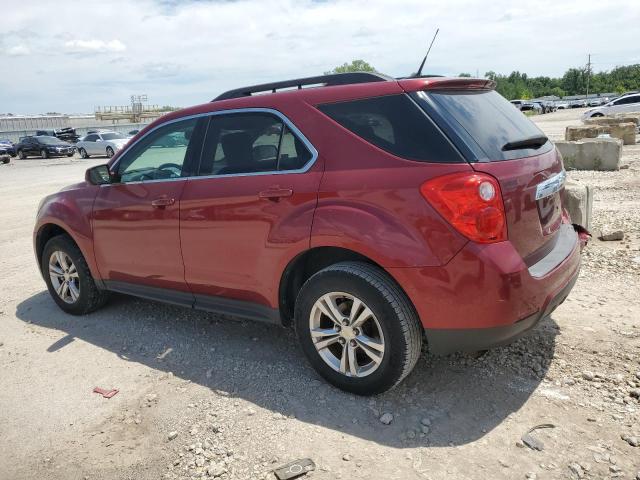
column 396, row 124
column 491, row 121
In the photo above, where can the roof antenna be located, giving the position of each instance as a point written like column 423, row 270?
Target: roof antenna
column 419, row 72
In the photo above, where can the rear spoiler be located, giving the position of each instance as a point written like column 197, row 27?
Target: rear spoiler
column 444, row 83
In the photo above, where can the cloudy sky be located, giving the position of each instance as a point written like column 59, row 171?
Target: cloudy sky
column 69, row 56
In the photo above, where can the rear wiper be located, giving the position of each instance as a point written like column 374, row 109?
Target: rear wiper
column 530, row 142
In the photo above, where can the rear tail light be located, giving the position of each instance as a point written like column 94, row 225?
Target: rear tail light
column 471, row 202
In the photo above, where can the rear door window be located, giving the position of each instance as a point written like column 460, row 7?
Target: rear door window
column 488, row 119
column 395, row 124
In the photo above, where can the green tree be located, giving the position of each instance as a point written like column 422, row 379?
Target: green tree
column 465, row 75
column 354, row 66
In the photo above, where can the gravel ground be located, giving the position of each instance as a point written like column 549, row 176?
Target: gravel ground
column 205, row 396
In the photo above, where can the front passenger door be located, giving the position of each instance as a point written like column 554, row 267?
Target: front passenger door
column 136, row 220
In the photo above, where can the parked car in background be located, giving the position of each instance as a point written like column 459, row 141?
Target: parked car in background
column 133, row 132
column 271, row 207
column 66, row 134
column 7, row 148
column 578, row 103
column 101, row 143
column 629, row 102
column 562, row 105
column 44, row 147
column 526, row 105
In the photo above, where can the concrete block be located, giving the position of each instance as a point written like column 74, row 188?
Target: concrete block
column 625, row 132
column 611, row 120
column 577, row 198
column 633, row 117
column 578, row 132
column 591, row 153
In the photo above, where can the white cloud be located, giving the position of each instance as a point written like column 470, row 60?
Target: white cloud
column 18, row 51
column 187, row 52
column 81, row 46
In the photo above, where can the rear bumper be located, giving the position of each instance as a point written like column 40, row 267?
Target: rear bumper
column 487, row 296
column 443, row 341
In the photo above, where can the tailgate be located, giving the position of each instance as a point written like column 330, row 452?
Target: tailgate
column 531, row 222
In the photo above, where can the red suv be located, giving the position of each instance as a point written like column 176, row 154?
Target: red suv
column 372, row 214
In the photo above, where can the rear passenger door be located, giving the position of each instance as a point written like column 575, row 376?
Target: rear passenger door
column 249, row 210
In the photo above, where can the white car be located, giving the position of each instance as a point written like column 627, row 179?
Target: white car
column 629, row 102
column 101, row 143
column 562, row 105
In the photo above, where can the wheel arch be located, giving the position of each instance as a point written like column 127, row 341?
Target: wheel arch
column 45, row 233
column 309, row 262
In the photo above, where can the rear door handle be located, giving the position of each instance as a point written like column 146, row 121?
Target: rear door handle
column 163, row 202
column 276, row 194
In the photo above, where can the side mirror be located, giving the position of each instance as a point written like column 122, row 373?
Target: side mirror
column 98, row 175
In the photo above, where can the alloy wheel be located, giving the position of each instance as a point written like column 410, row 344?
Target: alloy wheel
column 346, row 334
column 64, row 277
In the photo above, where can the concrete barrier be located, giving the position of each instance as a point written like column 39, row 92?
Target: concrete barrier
column 611, row 120
column 578, row 132
column 577, row 198
column 624, row 131
column 591, row 153
column 633, row 117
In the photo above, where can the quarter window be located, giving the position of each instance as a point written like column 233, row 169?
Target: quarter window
column 243, row 143
column 160, row 155
column 395, row 124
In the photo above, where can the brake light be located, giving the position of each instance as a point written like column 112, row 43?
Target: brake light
column 471, row 202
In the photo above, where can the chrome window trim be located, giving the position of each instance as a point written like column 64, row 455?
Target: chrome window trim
column 295, row 130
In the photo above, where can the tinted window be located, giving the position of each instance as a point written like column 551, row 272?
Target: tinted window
column 49, row 141
column 628, row 100
column 91, row 138
column 251, row 143
column 395, row 124
column 160, row 155
column 489, row 119
column 112, row 136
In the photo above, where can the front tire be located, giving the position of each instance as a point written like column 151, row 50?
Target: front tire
column 357, row 328
column 21, row 155
column 83, row 153
column 68, row 277
column 109, row 152
column 44, row 153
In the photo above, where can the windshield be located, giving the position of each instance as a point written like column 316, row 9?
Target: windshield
column 113, row 136
column 50, row 141
column 491, row 122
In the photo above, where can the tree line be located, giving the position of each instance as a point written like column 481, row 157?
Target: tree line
column 520, row 85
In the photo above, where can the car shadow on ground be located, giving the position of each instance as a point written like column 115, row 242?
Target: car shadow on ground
column 463, row 396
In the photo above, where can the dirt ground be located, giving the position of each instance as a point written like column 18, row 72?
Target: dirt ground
column 205, row 396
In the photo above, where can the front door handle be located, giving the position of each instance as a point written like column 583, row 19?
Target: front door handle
column 163, row 202
column 276, row 194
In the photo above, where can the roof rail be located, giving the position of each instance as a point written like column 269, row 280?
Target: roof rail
column 324, row 80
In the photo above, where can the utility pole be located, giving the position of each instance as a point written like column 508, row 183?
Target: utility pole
column 588, row 74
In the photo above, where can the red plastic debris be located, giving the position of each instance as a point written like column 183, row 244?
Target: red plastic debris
column 583, row 235
column 106, row 393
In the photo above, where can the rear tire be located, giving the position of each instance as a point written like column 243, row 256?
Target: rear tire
column 393, row 328
column 83, row 153
column 44, row 153
column 61, row 262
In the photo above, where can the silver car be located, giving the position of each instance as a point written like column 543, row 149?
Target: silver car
column 101, row 143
